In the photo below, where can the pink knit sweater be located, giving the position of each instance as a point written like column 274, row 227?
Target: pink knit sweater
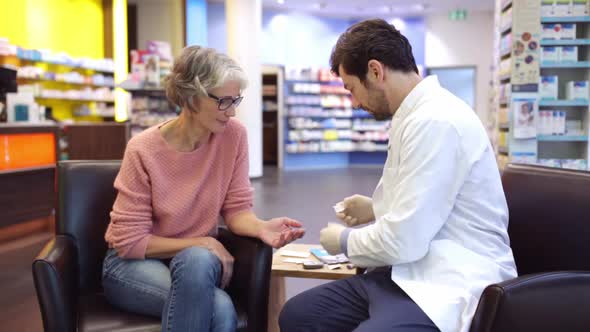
column 174, row 194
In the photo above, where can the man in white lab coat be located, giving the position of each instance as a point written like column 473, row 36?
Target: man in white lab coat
column 439, row 235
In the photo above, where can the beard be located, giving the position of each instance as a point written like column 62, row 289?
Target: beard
column 377, row 105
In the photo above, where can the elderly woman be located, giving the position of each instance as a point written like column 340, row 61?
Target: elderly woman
column 175, row 181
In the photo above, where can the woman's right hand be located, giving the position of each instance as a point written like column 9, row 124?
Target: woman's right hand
column 358, row 209
column 227, row 260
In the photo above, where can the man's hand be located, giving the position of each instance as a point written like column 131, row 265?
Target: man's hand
column 357, row 210
column 330, row 238
column 227, row 260
column 278, row 232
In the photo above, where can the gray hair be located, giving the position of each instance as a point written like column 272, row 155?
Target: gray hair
column 198, row 70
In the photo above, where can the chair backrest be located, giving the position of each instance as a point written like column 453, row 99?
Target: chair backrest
column 549, row 223
column 86, row 197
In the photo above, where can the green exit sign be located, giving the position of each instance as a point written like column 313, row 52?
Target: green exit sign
column 458, row 15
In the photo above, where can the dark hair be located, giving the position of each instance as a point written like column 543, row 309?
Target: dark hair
column 372, row 39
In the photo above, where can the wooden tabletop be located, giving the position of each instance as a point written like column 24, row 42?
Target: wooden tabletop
column 280, row 268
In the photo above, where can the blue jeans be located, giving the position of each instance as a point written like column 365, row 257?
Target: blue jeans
column 185, row 294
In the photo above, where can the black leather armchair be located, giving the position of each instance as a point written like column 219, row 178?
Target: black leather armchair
column 67, row 272
column 550, row 236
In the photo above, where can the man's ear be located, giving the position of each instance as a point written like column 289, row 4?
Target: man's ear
column 376, row 71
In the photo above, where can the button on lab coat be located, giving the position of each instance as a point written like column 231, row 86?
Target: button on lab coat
column 440, row 212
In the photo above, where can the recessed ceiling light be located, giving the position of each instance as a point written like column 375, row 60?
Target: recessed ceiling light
column 280, row 2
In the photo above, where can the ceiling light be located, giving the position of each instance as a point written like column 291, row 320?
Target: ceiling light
column 280, row 2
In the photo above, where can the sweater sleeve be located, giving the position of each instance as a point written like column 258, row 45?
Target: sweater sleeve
column 131, row 217
column 239, row 195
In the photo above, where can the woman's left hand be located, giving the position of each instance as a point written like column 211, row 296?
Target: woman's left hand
column 278, row 232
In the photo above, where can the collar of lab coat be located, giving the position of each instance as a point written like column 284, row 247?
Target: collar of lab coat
column 413, row 98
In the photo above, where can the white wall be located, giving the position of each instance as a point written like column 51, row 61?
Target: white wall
column 457, row 43
column 160, row 20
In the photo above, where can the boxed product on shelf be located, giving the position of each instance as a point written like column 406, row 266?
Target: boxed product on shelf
column 550, row 53
column 577, row 90
column 161, row 49
column 523, row 157
column 503, row 114
column 313, row 88
column 547, row 8
column 548, row 89
column 578, row 164
column 502, row 139
column 505, row 92
column 580, row 7
column 506, row 42
column 550, row 162
column 550, row 31
column 551, row 123
column 506, row 18
column 559, row 31
column 562, row 8
column 567, row 31
column 568, row 54
column 504, row 68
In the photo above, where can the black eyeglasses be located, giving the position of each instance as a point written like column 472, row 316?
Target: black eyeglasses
column 224, row 103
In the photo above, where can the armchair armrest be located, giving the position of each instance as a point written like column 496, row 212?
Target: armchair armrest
column 55, row 272
column 250, row 283
column 554, row 301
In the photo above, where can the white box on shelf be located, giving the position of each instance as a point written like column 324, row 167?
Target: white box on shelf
column 567, row 31
column 562, row 8
column 547, row 8
column 548, row 87
column 568, row 54
column 550, row 53
column 577, row 90
column 580, row 7
column 546, row 122
column 549, row 31
column 555, row 126
column 561, row 123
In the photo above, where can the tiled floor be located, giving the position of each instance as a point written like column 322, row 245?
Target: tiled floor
column 307, row 196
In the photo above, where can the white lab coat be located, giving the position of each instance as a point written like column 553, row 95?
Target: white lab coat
column 441, row 214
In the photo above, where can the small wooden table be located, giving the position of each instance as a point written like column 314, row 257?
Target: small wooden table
column 280, row 270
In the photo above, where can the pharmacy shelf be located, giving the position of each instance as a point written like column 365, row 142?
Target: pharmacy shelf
column 556, row 138
column 28, row 79
column 565, row 19
column 315, row 82
column 563, row 103
column 69, row 65
column 313, row 140
column 579, row 64
column 76, row 100
column 565, row 42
